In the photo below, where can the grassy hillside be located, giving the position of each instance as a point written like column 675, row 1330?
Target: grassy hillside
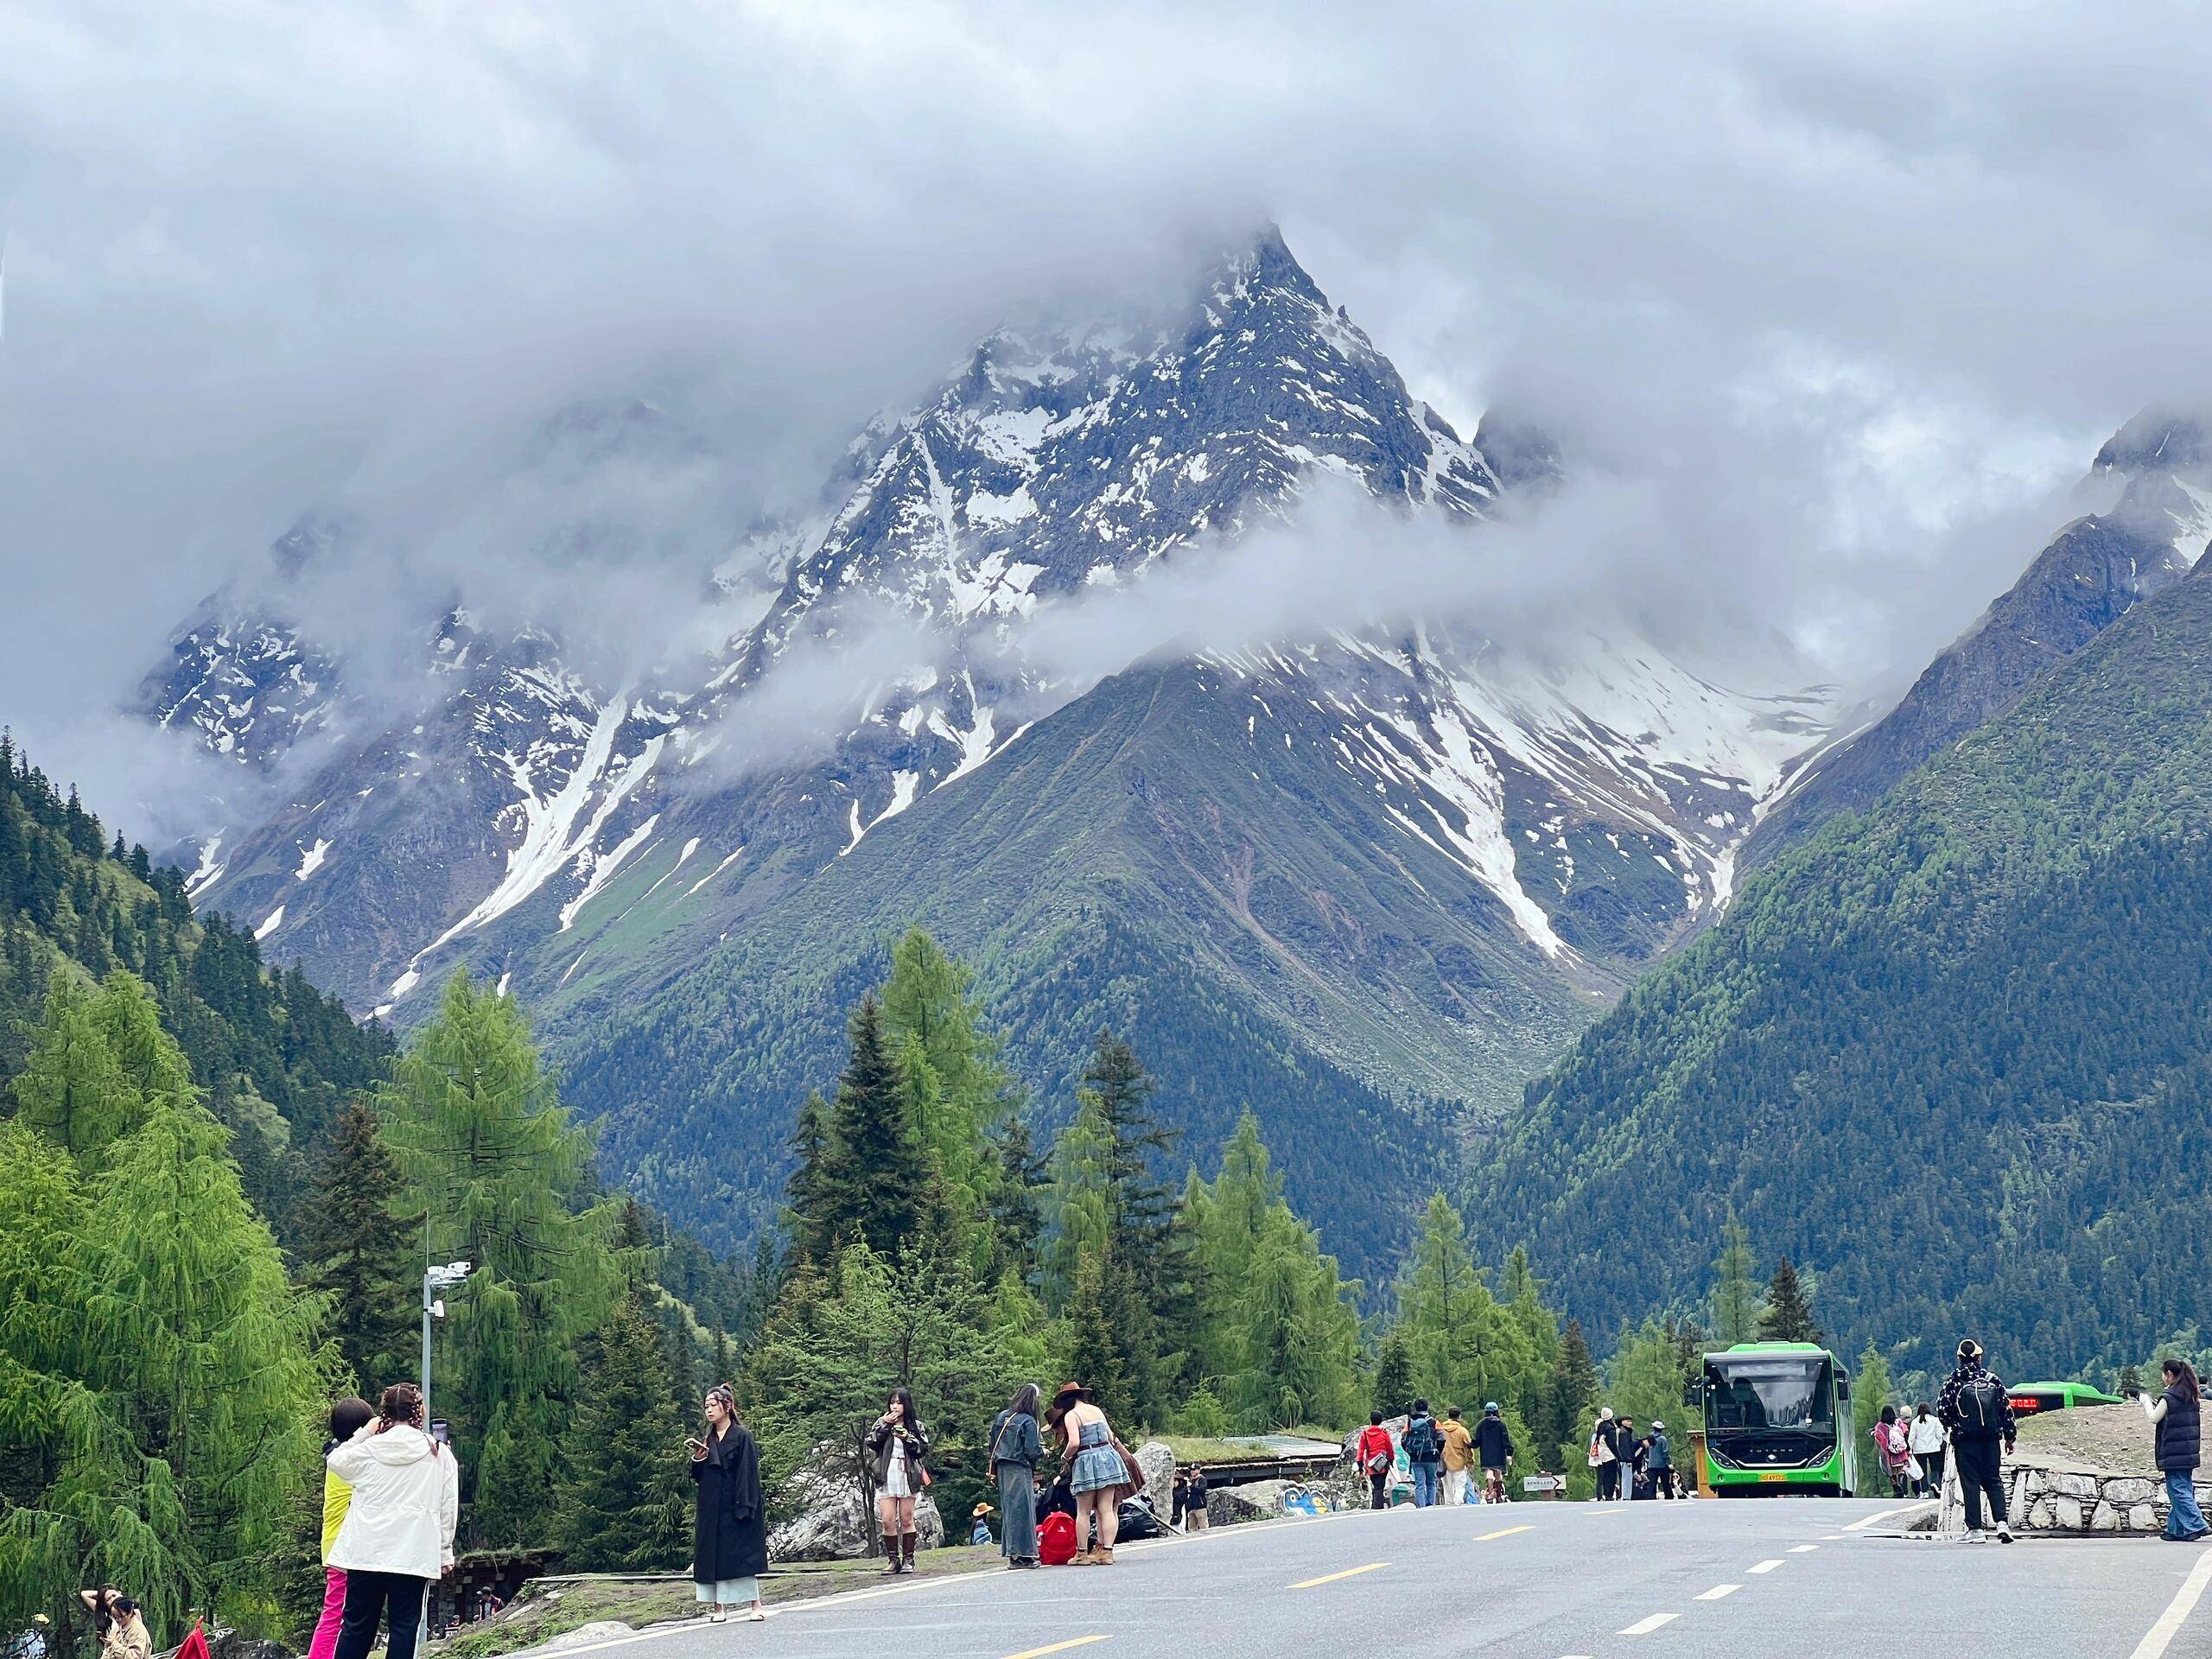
column 1124, row 863
column 1954, row 1054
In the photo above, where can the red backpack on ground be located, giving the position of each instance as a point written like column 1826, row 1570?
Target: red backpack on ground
column 1056, row 1540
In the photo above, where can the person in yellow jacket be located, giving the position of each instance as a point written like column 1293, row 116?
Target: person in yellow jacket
column 347, row 1418
column 1458, row 1456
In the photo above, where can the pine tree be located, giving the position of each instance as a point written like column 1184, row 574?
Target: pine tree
column 1110, row 1352
column 1787, row 1317
column 1393, row 1378
column 1570, row 1397
column 358, row 1253
column 1735, row 1292
column 872, row 1172
column 626, row 1505
column 493, row 1160
column 1017, row 1217
column 803, row 1222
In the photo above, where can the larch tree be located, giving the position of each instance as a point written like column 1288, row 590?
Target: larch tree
column 206, row 1355
column 502, row 1175
column 1736, row 1304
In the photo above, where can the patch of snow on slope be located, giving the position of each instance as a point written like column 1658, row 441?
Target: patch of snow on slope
column 903, row 786
column 312, row 861
column 276, row 920
column 550, row 841
column 716, row 871
column 209, row 873
column 602, row 867
column 2193, row 533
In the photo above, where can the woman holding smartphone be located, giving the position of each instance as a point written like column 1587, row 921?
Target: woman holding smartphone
column 729, row 1529
column 898, row 1450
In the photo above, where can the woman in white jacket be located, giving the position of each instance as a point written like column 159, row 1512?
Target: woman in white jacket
column 397, row 1536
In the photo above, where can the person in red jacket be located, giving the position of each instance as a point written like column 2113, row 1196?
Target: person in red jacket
column 1375, row 1452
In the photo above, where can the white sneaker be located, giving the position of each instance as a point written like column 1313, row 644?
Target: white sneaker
column 1976, row 1535
column 2004, row 1533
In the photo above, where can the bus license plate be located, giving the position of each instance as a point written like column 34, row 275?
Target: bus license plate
column 1772, row 1474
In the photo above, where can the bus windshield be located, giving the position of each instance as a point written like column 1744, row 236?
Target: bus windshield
column 1768, row 1391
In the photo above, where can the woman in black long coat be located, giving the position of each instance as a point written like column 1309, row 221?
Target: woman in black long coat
column 729, row 1532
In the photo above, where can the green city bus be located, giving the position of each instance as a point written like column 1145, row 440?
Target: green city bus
column 2030, row 1399
column 1777, row 1420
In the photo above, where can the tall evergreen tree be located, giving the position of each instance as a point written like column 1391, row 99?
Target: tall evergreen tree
column 1787, row 1316
column 869, row 1186
column 1393, row 1378
column 360, row 1253
column 626, row 1504
column 1570, row 1398
column 502, row 1175
column 1736, row 1306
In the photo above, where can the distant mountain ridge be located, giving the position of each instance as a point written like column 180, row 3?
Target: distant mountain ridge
column 2094, row 572
column 1415, row 860
column 1953, row 1054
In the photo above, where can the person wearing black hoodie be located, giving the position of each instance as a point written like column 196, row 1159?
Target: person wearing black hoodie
column 1978, row 1413
column 1494, row 1450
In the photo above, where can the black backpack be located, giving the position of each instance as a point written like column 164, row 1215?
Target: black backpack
column 1420, row 1441
column 1981, row 1403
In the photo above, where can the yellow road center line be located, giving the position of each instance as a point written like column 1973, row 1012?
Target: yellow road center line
column 1505, row 1532
column 1057, row 1647
column 1349, row 1573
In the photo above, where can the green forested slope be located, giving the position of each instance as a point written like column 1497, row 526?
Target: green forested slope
column 1955, row 1054
column 273, row 1053
column 1124, row 863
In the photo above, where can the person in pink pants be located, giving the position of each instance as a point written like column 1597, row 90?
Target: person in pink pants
column 348, row 1418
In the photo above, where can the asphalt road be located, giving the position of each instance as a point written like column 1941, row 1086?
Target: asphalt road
column 1782, row 1576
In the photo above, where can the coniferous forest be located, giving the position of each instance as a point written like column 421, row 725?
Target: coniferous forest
column 217, row 1194
column 1944, row 1068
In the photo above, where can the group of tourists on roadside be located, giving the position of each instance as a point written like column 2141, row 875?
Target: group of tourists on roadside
column 1441, row 1457
column 1633, row 1465
column 1911, row 1450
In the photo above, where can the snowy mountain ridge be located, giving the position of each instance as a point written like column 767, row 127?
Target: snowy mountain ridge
column 532, row 816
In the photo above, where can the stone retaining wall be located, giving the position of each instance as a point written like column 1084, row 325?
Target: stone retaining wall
column 2053, row 1496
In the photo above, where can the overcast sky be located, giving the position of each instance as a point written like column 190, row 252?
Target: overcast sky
column 1843, row 296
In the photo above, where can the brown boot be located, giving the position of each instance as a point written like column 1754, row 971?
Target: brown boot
column 911, row 1542
column 891, row 1554
column 1102, row 1557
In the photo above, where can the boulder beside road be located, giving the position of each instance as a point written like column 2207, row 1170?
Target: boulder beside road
column 830, row 1521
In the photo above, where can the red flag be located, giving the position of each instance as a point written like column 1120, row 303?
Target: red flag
column 195, row 1645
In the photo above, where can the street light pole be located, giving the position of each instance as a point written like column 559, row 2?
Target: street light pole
column 434, row 1281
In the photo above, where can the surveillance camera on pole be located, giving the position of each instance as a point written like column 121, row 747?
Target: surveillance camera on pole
column 449, row 1277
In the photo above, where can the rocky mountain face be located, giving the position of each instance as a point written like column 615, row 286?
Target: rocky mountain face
column 1389, row 865
column 2094, row 572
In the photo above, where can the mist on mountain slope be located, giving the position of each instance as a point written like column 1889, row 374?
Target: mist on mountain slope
column 1829, row 264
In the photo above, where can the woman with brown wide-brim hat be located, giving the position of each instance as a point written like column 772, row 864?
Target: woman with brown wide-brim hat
column 1098, row 1473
